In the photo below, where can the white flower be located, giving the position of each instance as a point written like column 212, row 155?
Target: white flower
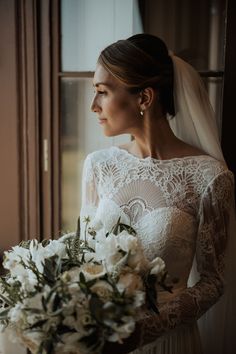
column 66, row 237
column 110, row 254
column 106, row 247
column 127, row 242
column 102, row 289
column 71, row 275
column 24, row 276
column 109, row 218
column 40, row 253
column 69, row 321
column 119, row 256
column 138, row 261
column 157, row 266
column 34, row 301
column 83, row 318
column 15, row 314
column 92, row 271
column 95, row 224
column 139, row 299
column 122, row 331
column 15, row 256
column 101, row 236
column 70, row 342
column 33, row 339
column 130, row 283
column 55, row 248
column 91, row 241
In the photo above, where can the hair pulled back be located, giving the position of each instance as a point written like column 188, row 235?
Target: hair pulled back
column 142, row 61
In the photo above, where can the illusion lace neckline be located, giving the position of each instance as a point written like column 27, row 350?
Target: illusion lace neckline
column 153, row 159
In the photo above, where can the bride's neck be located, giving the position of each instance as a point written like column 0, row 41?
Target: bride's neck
column 155, row 139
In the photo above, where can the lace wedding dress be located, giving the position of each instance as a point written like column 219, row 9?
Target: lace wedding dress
column 179, row 209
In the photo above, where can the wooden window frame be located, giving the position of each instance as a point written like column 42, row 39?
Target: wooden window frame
column 28, row 118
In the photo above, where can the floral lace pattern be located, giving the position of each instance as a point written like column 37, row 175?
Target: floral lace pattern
column 179, row 208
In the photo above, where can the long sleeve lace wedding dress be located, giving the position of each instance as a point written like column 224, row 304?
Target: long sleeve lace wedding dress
column 179, row 209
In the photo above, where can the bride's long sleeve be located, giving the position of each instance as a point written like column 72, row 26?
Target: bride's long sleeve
column 193, row 302
column 89, row 191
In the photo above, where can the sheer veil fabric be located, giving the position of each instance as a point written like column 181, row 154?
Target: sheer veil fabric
column 195, row 124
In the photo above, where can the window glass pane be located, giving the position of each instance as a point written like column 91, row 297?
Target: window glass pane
column 87, row 26
column 215, row 89
column 80, row 135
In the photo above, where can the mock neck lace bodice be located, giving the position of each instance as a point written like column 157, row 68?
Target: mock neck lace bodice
column 179, row 208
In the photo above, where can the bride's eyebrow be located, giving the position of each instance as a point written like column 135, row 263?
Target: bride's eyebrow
column 102, row 83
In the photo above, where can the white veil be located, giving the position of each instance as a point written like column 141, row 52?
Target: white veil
column 195, row 121
column 195, row 124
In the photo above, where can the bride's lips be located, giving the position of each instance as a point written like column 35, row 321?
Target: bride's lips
column 102, row 120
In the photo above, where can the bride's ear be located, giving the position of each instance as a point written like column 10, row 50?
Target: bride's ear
column 146, row 97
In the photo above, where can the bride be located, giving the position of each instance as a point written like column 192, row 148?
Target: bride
column 172, row 184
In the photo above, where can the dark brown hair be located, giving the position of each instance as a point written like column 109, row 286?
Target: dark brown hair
column 142, row 61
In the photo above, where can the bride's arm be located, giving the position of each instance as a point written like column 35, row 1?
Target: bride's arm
column 89, row 192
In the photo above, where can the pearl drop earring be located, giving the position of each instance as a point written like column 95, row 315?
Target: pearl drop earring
column 141, row 112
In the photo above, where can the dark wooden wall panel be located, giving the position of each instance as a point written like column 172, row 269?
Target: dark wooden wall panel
column 9, row 177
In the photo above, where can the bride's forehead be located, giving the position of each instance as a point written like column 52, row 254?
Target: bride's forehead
column 103, row 77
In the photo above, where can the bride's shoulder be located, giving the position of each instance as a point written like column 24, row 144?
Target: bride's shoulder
column 100, row 155
column 213, row 171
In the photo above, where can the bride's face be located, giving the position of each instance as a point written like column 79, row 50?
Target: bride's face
column 117, row 109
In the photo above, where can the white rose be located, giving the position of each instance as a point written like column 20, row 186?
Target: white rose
column 69, row 321
column 130, row 283
column 92, row 271
column 137, row 261
column 139, row 298
column 157, row 266
column 70, row 342
column 102, row 289
column 122, row 331
column 71, row 275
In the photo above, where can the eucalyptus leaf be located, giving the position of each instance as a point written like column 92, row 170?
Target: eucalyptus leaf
column 56, row 302
column 82, row 278
column 4, row 313
column 96, row 308
column 38, row 324
column 45, row 242
column 6, row 300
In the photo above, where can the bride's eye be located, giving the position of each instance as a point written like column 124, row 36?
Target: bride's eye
column 101, row 92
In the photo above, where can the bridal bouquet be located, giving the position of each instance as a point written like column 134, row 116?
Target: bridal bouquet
column 73, row 294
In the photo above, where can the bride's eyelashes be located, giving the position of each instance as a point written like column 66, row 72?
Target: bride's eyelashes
column 100, row 92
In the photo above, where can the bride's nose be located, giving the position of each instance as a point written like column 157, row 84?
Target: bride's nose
column 94, row 106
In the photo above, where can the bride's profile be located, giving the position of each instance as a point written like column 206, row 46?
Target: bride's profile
column 172, row 184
